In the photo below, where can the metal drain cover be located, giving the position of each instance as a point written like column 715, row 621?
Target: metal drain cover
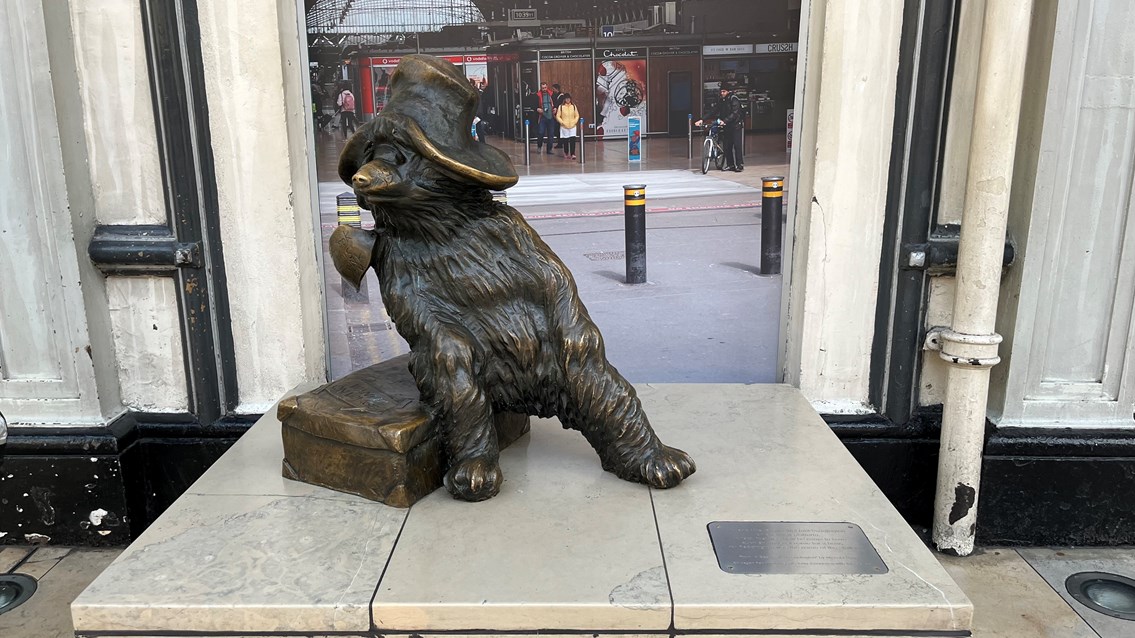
column 1109, row 594
column 15, row 590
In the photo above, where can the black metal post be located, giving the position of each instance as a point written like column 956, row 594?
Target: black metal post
column 772, row 209
column 527, row 151
column 582, row 137
column 690, row 135
column 634, row 211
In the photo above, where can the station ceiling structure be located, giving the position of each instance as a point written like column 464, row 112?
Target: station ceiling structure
column 408, row 16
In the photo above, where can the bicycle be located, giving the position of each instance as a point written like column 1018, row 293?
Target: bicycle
column 711, row 151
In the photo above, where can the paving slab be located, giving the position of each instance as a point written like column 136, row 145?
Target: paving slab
column 764, row 454
column 1055, row 565
column 565, row 546
column 1010, row 599
column 45, row 615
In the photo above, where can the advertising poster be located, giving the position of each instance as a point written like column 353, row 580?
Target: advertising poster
column 477, row 70
column 381, row 69
column 634, row 138
column 620, row 91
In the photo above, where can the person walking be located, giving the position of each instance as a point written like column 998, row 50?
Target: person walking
column 568, row 117
column 346, row 104
column 484, row 111
column 546, row 110
column 318, row 100
column 729, row 112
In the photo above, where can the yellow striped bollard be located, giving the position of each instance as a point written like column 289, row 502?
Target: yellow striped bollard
column 634, row 221
column 772, row 209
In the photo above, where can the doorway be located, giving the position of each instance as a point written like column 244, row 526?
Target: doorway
column 680, row 89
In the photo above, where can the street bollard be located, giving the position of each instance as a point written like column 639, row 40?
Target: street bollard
column 634, row 212
column 772, row 208
column 582, row 136
column 527, row 156
column 690, row 136
column 347, row 209
column 349, row 214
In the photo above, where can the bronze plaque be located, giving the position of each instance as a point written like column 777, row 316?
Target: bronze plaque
column 762, row 547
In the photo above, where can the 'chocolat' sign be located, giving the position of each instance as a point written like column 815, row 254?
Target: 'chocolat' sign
column 609, row 54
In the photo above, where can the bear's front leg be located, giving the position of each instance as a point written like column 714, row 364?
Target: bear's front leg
column 605, row 408
column 444, row 373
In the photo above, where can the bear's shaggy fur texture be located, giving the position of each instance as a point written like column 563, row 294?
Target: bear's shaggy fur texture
column 493, row 320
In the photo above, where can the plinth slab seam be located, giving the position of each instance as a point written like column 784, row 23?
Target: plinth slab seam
column 389, row 557
column 662, row 553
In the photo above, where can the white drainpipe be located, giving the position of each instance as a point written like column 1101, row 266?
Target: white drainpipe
column 970, row 344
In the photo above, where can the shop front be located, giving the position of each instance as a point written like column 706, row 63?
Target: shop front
column 375, row 73
column 662, row 80
column 763, row 75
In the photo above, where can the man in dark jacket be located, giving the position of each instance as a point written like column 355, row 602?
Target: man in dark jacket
column 729, row 111
column 546, row 114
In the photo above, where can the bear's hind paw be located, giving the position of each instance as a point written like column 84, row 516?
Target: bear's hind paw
column 474, row 479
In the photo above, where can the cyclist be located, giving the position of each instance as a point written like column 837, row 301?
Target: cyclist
column 728, row 113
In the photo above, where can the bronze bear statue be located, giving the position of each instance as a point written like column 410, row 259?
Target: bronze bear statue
column 491, row 314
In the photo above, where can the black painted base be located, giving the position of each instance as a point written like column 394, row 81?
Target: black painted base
column 1038, row 487
column 103, row 486
column 99, row 487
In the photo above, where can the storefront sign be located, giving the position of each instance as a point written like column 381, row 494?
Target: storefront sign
column 669, row 52
column 609, row 54
column 502, row 57
column 565, row 54
column 383, row 61
column 727, row 49
column 775, row 47
column 522, row 18
column 476, row 59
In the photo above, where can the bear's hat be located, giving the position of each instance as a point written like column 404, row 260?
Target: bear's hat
column 434, row 105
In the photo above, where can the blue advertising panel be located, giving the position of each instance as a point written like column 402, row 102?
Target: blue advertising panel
column 634, row 138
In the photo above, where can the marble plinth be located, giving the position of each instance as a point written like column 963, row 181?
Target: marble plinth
column 564, row 549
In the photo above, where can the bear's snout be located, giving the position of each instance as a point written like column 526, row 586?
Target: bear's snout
column 372, row 178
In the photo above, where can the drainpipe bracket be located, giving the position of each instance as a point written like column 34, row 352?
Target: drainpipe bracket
column 962, row 349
